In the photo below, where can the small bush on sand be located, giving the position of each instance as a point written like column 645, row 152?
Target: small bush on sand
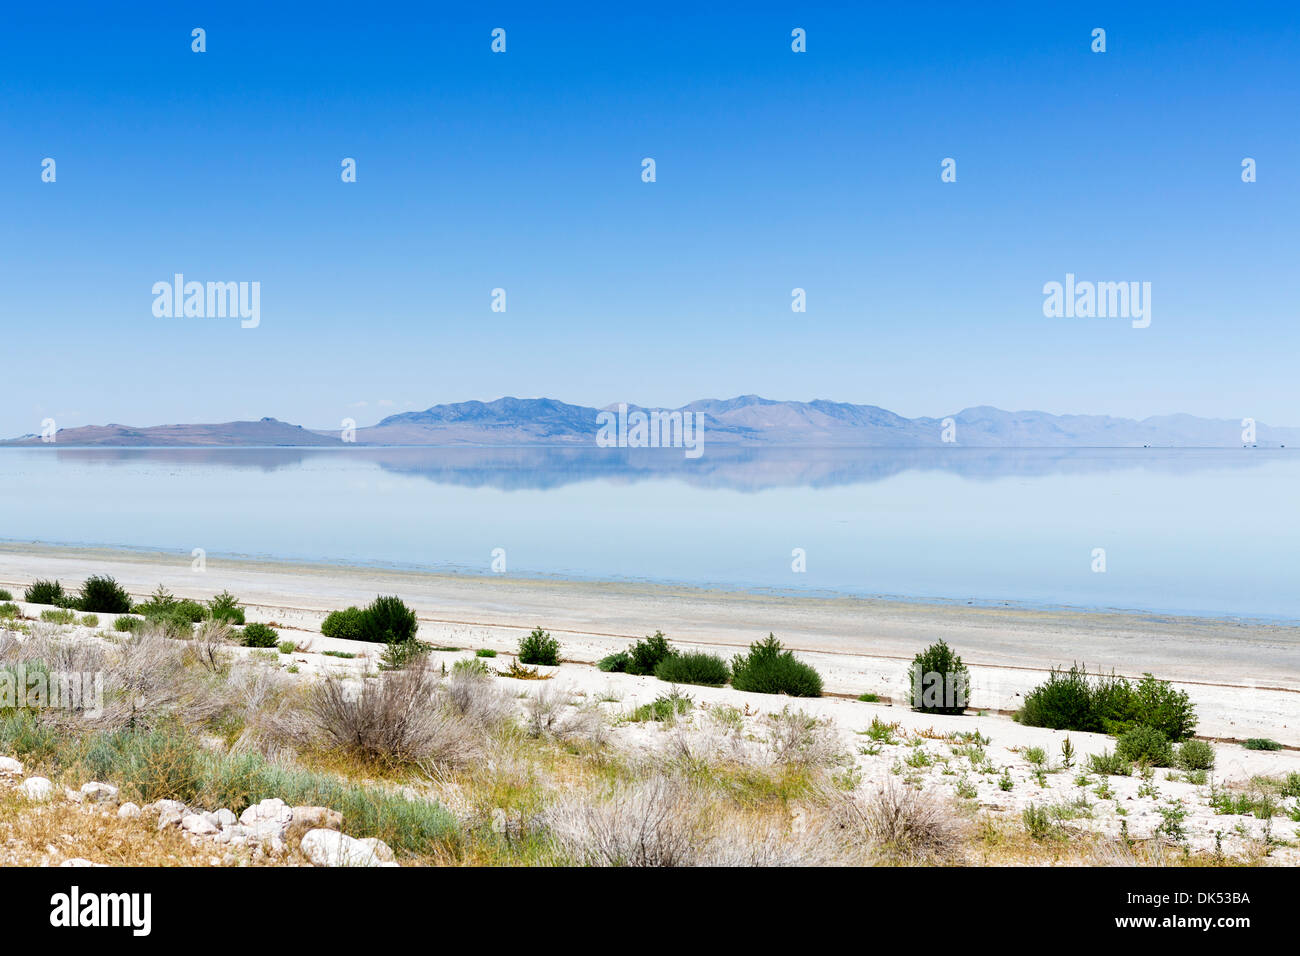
column 345, row 624
column 45, row 592
column 128, row 624
column 768, row 669
column 9, row 611
column 645, row 655
column 399, row 655
column 1145, row 745
column 58, row 616
column 1195, row 755
column 485, row 652
column 615, row 663
column 539, row 648
column 1109, row 764
column 387, row 620
column 225, row 607
column 102, row 593
column 1261, row 743
column 260, row 635
column 907, row 826
column 694, row 667
column 393, row 720
column 5, row 595
column 939, row 681
column 1076, row 700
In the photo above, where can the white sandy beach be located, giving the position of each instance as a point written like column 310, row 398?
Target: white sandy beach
column 1243, row 677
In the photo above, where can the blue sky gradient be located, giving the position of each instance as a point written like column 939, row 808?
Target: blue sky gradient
column 775, row 170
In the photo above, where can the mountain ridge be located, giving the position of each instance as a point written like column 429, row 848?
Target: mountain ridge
column 742, row 420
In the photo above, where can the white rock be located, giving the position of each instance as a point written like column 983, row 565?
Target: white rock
column 331, row 848
column 380, row 849
column 78, row 861
column 8, row 765
column 99, row 792
column 313, row 818
column 36, row 788
column 199, row 825
column 128, row 811
column 274, row 810
column 223, row 818
column 166, row 806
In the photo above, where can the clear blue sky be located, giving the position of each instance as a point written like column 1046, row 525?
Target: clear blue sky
column 522, row 170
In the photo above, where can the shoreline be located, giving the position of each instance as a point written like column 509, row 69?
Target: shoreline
column 1243, row 676
column 456, row 572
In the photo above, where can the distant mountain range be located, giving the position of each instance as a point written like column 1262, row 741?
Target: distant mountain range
column 747, row 420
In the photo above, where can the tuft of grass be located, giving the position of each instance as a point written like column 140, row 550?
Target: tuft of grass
column 485, row 652
column 59, row 616
column 662, row 709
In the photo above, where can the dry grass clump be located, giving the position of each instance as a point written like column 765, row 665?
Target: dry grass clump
column 408, row 717
column 905, row 825
column 798, row 739
column 551, row 714
column 658, row 818
column 147, row 684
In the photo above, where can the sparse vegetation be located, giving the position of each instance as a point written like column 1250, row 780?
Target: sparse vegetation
column 1076, row 700
column 1261, row 743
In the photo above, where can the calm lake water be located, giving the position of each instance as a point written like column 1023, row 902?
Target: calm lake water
column 1187, row 531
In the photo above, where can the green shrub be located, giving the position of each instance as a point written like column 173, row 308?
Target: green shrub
column 45, row 592
column 128, row 624
column 9, row 611
column 260, row 635
column 768, row 669
column 662, row 709
column 539, row 648
column 225, row 607
column 694, row 667
column 399, row 655
column 1109, row 764
column 387, row 620
column 1195, row 755
column 59, row 616
column 287, row 647
column 485, row 652
column 615, row 663
column 1261, row 743
column 939, row 681
column 160, row 603
column 471, row 666
column 90, row 620
column 644, row 656
column 1145, row 745
column 1037, row 822
column 1156, row 704
column 5, row 595
column 1075, row 700
column 345, row 624
column 102, row 593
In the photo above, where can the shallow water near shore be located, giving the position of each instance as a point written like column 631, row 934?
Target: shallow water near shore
column 1198, row 531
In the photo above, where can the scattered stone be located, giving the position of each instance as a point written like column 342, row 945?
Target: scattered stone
column 36, row 788
column 274, row 810
column 314, row 818
column 199, row 825
column 99, row 792
column 128, row 811
column 8, row 765
column 74, row 796
column 331, row 848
